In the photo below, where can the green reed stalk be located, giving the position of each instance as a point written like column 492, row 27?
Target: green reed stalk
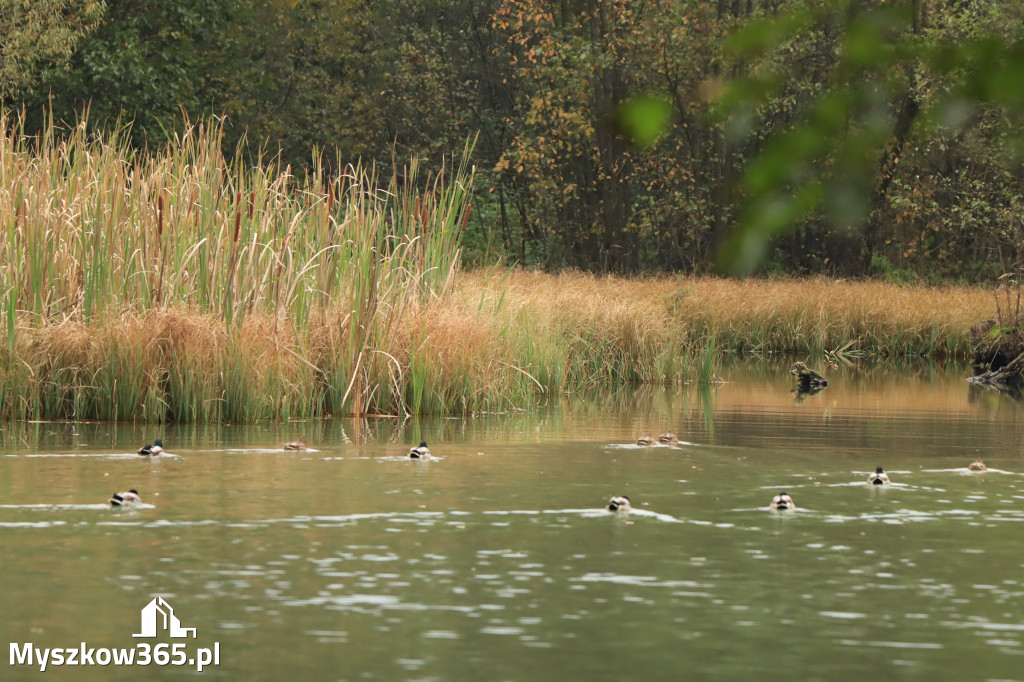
column 707, row 361
column 183, row 284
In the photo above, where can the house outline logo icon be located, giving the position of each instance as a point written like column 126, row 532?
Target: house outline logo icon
column 159, row 613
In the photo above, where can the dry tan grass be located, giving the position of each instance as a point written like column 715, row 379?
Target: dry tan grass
column 777, row 315
column 499, row 338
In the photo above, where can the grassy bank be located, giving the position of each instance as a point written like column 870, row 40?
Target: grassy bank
column 496, row 339
column 799, row 316
column 184, row 286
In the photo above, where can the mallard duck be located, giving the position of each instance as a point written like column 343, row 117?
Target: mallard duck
column 807, row 378
column 977, row 465
column 297, row 444
column 879, row 477
column 420, row 451
column 667, row 437
column 619, row 503
column 127, row 499
column 782, row 502
column 645, row 440
column 155, row 449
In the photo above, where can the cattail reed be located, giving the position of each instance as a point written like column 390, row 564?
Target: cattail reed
column 238, row 216
column 160, row 216
column 283, row 262
column 117, row 311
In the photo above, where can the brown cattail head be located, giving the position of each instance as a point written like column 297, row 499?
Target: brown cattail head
column 425, row 213
column 160, row 215
column 465, row 216
column 238, row 215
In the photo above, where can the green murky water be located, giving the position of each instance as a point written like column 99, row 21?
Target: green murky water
column 496, row 561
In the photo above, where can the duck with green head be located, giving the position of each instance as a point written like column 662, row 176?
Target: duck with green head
column 619, row 503
column 155, row 449
column 125, row 499
column 420, row 451
column 879, row 477
column 782, row 502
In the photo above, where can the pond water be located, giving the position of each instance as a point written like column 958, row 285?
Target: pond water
column 497, row 560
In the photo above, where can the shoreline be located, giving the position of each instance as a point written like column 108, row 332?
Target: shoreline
column 496, row 339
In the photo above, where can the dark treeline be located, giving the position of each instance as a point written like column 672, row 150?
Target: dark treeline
column 566, row 176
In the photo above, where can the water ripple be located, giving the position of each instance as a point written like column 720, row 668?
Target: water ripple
column 638, row 581
column 892, row 645
column 101, row 455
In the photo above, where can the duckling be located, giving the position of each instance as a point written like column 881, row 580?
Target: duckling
column 298, row 444
column 155, row 449
column 128, row 499
column 977, row 465
column 645, row 440
column 619, row 503
column 782, row 502
column 420, row 451
column 879, row 477
column 668, row 437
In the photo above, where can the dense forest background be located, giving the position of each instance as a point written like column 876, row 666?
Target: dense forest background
column 851, row 138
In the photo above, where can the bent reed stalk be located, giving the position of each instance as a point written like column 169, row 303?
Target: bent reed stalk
column 181, row 285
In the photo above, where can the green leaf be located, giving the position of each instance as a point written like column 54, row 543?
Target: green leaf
column 643, row 119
